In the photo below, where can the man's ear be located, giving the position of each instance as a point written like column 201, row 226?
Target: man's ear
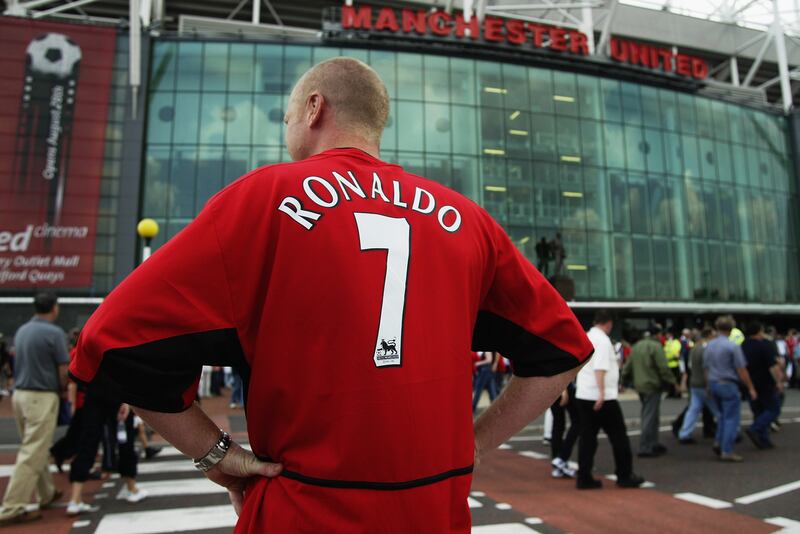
column 315, row 106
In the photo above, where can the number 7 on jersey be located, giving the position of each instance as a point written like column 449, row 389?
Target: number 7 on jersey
column 379, row 232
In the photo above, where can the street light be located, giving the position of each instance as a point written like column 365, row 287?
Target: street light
column 147, row 230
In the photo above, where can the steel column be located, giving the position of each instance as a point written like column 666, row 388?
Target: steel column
column 605, row 34
column 783, row 64
column 135, row 57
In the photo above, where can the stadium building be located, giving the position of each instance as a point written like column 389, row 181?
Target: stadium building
column 661, row 145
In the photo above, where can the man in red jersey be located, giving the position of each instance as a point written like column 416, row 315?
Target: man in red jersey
column 374, row 284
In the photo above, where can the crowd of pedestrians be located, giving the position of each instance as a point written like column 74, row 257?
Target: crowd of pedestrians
column 718, row 366
column 34, row 368
column 43, row 399
column 214, row 378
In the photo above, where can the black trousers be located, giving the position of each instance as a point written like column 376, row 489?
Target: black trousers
column 120, row 457
column 67, row 446
column 560, row 445
column 611, row 421
column 100, row 424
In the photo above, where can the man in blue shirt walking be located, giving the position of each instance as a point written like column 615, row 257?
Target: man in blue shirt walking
column 726, row 368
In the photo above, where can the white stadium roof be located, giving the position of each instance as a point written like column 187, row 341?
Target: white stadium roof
column 757, row 14
column 754, row 55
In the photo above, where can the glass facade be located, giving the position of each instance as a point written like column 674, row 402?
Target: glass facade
column 105, row 244
column 658, row 195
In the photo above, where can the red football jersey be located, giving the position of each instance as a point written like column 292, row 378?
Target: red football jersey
column 348, row 292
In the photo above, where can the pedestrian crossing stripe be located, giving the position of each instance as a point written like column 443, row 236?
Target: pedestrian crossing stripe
column 169, row 520
column 473, row 503
column 171, row 488
column 170, row 466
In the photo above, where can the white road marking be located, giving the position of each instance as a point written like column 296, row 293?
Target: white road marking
column 703, row 500
column 175, row 520
column 768, row 494
column 170, row 451
column 535, row 455
column 478, row 494
column 7, row 469
column 639, row 432
column 81, row 524
column 109, row 485
column 473, row 503
column 525, row 438
column 533, row 521
column 503, row 506
column 186, row 486
column 173, row 466
column 504, row 447
column 790, row 526
column 504, row 528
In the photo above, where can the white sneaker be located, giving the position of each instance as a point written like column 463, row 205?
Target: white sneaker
column 557, row 473
column 568, row 472
column 564, row 469
column 76, row 508
column 138, row 496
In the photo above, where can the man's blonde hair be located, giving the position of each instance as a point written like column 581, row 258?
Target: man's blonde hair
column 354, row 91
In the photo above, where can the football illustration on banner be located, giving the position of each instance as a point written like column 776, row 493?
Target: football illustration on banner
column 53, row 53
column 45, row 125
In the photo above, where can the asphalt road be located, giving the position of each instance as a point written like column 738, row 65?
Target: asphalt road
column 695, row 468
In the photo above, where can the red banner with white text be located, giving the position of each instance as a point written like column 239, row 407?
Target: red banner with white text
column 55, row 84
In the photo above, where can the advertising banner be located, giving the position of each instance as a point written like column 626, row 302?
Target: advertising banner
column 55, row 83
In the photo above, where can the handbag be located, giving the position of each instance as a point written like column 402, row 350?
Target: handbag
column 64, row 413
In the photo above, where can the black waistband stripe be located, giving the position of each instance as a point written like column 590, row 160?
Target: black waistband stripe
column 383, row 486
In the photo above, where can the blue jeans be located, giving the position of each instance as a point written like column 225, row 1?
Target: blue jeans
column 728, row 401
column 766, row 409
column 697, row 400
column 484, row 380
column 237, row 389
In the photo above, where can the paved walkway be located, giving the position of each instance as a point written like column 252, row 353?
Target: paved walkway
column 513, row 493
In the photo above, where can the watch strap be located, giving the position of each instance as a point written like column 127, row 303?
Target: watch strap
column 215, row 454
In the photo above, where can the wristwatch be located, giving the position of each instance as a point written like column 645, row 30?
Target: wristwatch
column 216, row 454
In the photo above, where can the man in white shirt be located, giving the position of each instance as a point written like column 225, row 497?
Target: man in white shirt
column 597, row 387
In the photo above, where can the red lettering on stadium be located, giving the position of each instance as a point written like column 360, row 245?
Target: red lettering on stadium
column 439, row 24
column 442, row 24
column 655, row 57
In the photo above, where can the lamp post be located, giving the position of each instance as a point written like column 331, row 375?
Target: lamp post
column 147, row 230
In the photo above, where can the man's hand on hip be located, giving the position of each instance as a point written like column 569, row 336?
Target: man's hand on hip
column 234, row 471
